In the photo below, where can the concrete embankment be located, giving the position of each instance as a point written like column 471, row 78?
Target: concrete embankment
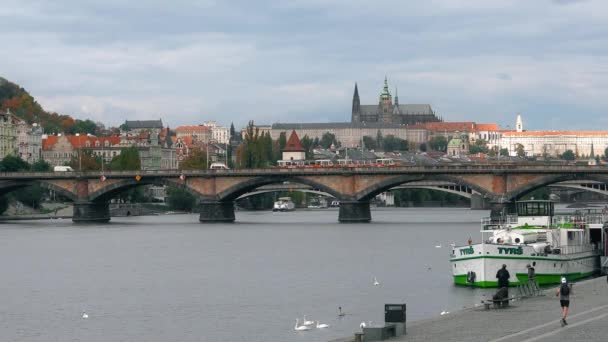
column 527, row 320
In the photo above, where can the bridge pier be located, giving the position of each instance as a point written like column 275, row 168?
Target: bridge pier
column 216, row 212
column 91, row 212
column 354, row 212
column 478, row 202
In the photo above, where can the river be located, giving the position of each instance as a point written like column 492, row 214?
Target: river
column 170, row 278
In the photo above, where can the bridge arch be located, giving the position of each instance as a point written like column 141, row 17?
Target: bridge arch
column 372, row 191
column 551, row 179
column 309, row 191
column 234, row 192
column 10, row 186
column 111, row 190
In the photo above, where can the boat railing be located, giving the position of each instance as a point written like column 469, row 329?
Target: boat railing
column 574, row 249
column 492, row 223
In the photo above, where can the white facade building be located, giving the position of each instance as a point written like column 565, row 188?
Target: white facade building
column 29, row 142
column 218, row 133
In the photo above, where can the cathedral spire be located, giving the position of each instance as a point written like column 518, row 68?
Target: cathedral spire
column 356, row 105
column 396, row 98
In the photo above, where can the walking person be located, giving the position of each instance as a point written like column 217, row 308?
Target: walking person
column 531, row 279
column 564, row 299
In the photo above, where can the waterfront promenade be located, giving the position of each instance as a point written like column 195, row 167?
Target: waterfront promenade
column 533, row 319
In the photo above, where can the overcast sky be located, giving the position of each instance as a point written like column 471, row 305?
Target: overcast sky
column 297, row 60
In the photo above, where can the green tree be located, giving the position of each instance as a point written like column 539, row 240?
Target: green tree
column 606, row 153
column 568, row 155
column 87, row 161
column 41, row 166
column 390, row 143
column 379, row 139
column 308, row 145
column 438, row 143
column 328, row 139
column 422, row 147
column 127, row 160
column 504, row 152
column 180, row 199
column 369, row 142
column 480, row 146
column 256, row 151
column 12, row 163
column 30, row 196
column 520, row 150
column 196, row 160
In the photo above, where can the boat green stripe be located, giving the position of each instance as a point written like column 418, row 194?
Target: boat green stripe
column 522, row 257
column 542, row 279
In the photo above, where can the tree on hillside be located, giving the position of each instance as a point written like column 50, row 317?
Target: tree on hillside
column 438, row 143
column 197, row 160
column 568, row 155
column 127, row 160
column 504, row 152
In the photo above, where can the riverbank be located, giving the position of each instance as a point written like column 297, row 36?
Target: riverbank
column 527, row 320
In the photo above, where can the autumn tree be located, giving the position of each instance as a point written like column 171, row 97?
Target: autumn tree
column 85, row 161
column 196, row 160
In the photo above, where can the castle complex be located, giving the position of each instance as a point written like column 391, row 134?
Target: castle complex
column 387, row 112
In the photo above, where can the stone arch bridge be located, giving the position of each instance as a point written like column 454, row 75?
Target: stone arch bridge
column 499, row 185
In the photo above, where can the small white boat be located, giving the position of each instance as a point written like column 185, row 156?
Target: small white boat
column 284, row 204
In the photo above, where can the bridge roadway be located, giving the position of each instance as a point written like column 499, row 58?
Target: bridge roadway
column 499, row 185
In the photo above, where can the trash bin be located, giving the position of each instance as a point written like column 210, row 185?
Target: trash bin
column 395, row 314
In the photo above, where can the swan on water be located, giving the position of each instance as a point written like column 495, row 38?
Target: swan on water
column 444, row 312
column 340, row 313
column 322, row 325
column 438, row 246
column 84, row 315
column 300, row 327
column 362, row 325
column 376, row 282
column 305, row 322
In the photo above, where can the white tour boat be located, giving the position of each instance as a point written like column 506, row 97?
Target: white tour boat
column 284, row 204
column 554, row 245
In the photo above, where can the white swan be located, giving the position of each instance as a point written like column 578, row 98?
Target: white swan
column 305, row 322
column 438, row 246
column 322, row 325
column 362, row 325
column 301, row 327
column 84, row 315
column 444, row 312
column 376, row 282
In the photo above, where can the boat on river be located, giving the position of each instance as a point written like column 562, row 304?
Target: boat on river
column 284, row 204
column 554, row 245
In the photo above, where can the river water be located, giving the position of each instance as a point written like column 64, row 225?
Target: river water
column 170, row 278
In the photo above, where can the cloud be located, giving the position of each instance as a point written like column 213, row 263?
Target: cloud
column 298, row 60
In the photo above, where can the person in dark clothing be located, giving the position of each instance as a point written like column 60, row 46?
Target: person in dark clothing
column 503, row 276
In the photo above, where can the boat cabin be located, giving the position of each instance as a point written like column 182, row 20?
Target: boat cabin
column 534, row 213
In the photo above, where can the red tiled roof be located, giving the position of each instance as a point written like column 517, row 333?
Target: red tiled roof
column 199, row 129
column 555, row 133
column 80, row 141
column 294, row 144
column 459, row 126
column 487, row 127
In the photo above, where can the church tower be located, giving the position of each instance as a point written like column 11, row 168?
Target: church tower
column 519, row 125
column 356, row 113
column 385, row 105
